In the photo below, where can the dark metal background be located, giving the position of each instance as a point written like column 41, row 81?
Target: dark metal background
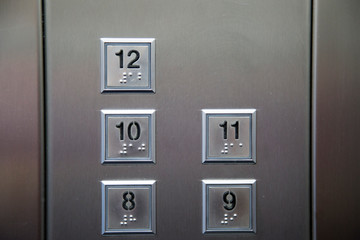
column 20, row 121
column 337, row 80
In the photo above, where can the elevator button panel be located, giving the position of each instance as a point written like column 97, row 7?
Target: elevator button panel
column 229, row 135
column 127, row 64
column 229, row 205
column 128, row 207
column 128, row 136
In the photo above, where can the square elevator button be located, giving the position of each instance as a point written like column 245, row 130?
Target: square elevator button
column 128, row 207
column 229, row 205
column 228, row 135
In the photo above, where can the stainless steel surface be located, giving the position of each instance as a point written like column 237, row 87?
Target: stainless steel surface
column 128, row 207
column 128, row 136
column 127, row 64
column 236, row 213
column 337, row 117
column 210, row 54
column 229, row 135
column 20, row 122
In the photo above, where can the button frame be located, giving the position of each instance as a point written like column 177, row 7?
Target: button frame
column 128, row 184
column 231, row 183
column 229, row 113
column 106, row 114
column 127, row 42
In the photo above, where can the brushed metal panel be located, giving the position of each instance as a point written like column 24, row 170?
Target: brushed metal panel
column 210, row 54
column 20, row 121
column 337, row 109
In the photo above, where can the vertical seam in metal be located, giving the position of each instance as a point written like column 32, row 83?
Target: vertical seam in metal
column 314, row 9
column 42, row 78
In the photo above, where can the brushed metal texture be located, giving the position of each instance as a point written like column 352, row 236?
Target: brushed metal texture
column 210, row 54
column 20, row 142
column 337, row 117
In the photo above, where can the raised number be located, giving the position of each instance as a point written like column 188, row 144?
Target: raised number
column 138, row 130
column 224, row 125
column 236, row 126
column 129, row 130
column 229, row 199
column 131, row 64
column 128, row 203
column 137, row 56
column 121, row 128
column 121, row 58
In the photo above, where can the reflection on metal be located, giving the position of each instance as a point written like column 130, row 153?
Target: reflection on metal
column 229, row 205
column 127, row 64
column 229, row 135
column 128, row 136
column 128, row 206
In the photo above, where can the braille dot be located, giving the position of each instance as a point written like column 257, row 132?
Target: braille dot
column 139, row 74
column 125, row 216
column 125, row 223
column 131, row 216
column 124, row 148
column 143, row 144
column 130, row 145
column 226, row 222
column 231, row 219
column 225, row 215
column 124, row 145
column 226, row 151
column 121, row 152
column 139, row 148
column 121, row 223
column 225, row 144
column 226, row 148
column 240, row 144
column 231, row 144
column 125, row 219
column 226, row 219
column 124, row 73
column 125, row 152
column 125, row 81
column 235, row 215
column 124, row 77
column 222, row 151
column 134, row 219
column 130, row 74
column 143, row 149
column 131, row 219
column 222, row 222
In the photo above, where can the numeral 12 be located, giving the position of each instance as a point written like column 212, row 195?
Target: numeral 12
column 131, row 64
column 235, row 125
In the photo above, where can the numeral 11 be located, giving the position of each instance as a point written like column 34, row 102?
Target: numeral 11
column 235, row 125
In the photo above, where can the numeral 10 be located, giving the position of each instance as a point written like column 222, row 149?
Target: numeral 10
column 129, row 130
column 224, row 125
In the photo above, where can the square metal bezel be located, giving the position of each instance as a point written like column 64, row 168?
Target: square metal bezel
column 206, row 113
column 228, row 183
column 150, row 113
column 104, row 42
column 149, row 183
